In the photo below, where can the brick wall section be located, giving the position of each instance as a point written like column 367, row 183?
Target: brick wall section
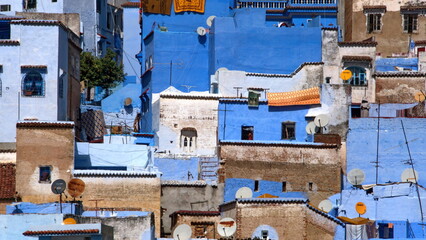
column 296, row 165
column 398, row 90
column 7, row 185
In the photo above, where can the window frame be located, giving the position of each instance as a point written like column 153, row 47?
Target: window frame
column 285, row 134
column 374, row 22
column 5, row 8
column 358, row 78
column 188, row 142
column 406, row 22
column 245, row 133
column 28, row 92
column 43, row 169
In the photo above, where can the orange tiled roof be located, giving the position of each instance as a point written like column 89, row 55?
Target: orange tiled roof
column 302, row 97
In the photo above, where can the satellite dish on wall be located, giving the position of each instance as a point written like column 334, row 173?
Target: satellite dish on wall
column 311, row 128
column 58, row 186
column 201, row 31
column 182, row 232
column 68, row 221
column 360, row 208
column 146, row 64
column 321, row 120
column 408, row 175
column 209, row 20
column 244, row 192
column 150, row 61
column 127, row 101
column 325, row 205
column 419, row 96
column 226, row 227
column 76, row 187
column 356, row 176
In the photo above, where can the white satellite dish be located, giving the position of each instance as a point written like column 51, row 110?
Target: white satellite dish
column 216, row 74
column 150, row 61
column 244, row 192
column 226, row 227
column 311, row 128
column 321, row 120
column 182, row 232
column 201, row 31
column 146, row 64
column 325, row 205
column 356, row 176
column 209, row 20
column 408, row 175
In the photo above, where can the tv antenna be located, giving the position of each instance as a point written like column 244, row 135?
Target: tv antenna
column 226, row 227
column 356, row 176
column 188, row 87
column 58, row 187
column 182, row 232
column 238, row 90
column 325, row 205
column 244, row 192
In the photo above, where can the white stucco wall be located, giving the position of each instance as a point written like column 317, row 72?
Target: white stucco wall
column 39, row 45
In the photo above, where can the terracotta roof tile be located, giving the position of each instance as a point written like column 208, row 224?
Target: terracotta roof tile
column 321, row 8
column 302, row 97
column 130, row 5
column 39, row 22
column 34, row 66
column 9, row 43
column 196, row 213
column 7, row 180
column 375, row 7
column 249, row 143
column 357, row 59
column 358, row 44
column 400, row 74
column 412, row 8
column 420, row 42
column 60, row 232
column 272, row 75
column 39, row 124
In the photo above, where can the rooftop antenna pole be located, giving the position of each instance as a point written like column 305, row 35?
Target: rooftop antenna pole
column 238, row 90
column 378, row 139
column 415, row 176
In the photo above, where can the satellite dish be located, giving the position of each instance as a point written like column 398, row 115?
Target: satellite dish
column 182, row 232
column 360, row 208
column 226, row 227
column 408, row 175
column 356, row 176
column 58, row 186
column 209, row 20
column 216, row 74
column 321, row 120
column 76, row 187
column 146, row 65
column 244, row 192
column 68, row 221
column 325, row 205
column 419, row 96
column 127, row 101
column 150, row 61
column 311, row 128
column 201, row 31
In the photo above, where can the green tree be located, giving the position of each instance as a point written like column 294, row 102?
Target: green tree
column 102, row 72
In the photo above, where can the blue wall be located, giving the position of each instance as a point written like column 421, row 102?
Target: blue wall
column 115, row 102
column 177, row 169
column 388, row 64
column 265, row 119
column 361, row 148
column 274, row 188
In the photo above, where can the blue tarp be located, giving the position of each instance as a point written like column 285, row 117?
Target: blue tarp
column 390, row 64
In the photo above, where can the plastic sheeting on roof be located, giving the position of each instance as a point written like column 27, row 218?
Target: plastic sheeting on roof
column 302, row 97
column 134, row 157
column 388, row 191
column 118, row 214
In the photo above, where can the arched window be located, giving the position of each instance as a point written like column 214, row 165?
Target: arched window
column 358, row 76
column 33, row 84
column 188, row 139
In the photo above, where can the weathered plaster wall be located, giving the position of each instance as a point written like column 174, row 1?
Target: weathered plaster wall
column 132, row 227
column 298, row 166
column 42, row 147
column 391, row 39
column 186, row 111
column 210, row 231
column 197, row 198
column 71, row 20
column 392, row 148
column 118, row 192
column 398, row 89
column 14, row 225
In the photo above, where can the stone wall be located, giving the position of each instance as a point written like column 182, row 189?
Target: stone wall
column 398, row 89
column 202, row 226
column 305, row 168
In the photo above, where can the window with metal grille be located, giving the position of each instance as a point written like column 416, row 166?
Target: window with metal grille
column 33, row 84
column 374, row 23
column 410, row 23
column 5, row 8
column 358, row 76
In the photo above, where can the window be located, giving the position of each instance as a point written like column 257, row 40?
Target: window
column 256, row 185
column 188, row 139
column 358, row 76
column 310, row 186
column 253, row 98
column 54, row 0
column 386, row 230
column 5, row 8
column 265, row 234
column 4, row 29
column 288, row 130
column 30, row 4
column 355, row 111
column 44, row 176
column 374, row 22
column 410, row 23
column 33, row 84
column 247, row 133
column 284, row 187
